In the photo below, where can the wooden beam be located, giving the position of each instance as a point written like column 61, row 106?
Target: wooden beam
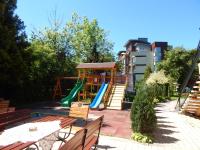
column 69, row 78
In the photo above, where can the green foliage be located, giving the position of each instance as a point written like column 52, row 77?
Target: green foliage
column 14, row 61
column 158, row 78
column 147, row 72
column 87, row 101
column 177, row 63
column 142, row 138
column 160, row 85
column 28, row 70
column 119, row 66
column 129, row 97
column 88, row 41
column 142, row 112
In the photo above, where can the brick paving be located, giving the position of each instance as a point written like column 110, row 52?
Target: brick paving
column 116, row 123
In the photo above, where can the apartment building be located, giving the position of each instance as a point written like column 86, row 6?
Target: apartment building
column 138, row 55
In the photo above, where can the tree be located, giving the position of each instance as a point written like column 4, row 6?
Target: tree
column 88, row 40
column 51, row 57
column 13, row 59
column 147, row 72
column 177, row 63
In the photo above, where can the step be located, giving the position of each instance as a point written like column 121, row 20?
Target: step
column 191, row 110
column 194, row 101
column 198, row 82
column 195, row 91
column 196, row 87
column 192, row 95
column 190, row 107
column 117, row 95
column 194, row 98
column 118, row 92
column 116, row 99
column 115, row 105
column 114, row 108
column 116, row 102
column 194, row 104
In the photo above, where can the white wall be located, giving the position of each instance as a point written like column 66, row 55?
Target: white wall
column 139, row 69
column 138, row 76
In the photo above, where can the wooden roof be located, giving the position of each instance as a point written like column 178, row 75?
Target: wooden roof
column 104, row 65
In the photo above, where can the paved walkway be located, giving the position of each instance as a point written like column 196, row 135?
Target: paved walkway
column 174, row 132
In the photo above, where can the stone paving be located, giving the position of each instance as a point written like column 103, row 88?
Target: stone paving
column 174, row 132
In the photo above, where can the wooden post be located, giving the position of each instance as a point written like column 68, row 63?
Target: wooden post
column 57, row 89
column 112, row 76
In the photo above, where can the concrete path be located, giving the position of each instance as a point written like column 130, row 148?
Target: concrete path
column 174, row 132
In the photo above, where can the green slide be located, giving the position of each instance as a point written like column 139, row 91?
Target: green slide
column 66, row 101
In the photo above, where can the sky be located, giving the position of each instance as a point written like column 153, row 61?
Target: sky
column 174, row 21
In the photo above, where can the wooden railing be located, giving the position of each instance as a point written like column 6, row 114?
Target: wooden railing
column 107, row 94
column 120, row 79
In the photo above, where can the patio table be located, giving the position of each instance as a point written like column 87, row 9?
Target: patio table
column 21, row 137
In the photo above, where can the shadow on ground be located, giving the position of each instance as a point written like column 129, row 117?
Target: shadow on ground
column 105, row 147
column 164, row 130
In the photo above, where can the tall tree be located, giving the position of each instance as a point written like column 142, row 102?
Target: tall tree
column 13, row 64
column 88, row 40
column 177, row 63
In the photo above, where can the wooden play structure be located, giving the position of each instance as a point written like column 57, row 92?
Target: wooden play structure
column 94, row 75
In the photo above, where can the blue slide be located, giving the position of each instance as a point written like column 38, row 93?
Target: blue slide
column 97, row 100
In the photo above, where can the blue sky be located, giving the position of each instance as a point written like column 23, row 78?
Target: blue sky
column 174, row 21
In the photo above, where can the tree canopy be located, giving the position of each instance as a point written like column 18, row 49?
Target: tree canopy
column 88, row 40
column 177, row 63
column 13, row 58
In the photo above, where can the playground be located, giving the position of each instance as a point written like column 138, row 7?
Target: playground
column 97, row 83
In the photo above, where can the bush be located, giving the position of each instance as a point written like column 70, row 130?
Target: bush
column 143, row 138
column 129, row 97
column 142, row 112
column 160, row 84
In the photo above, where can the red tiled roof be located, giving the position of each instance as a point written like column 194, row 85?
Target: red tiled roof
column 105, row 65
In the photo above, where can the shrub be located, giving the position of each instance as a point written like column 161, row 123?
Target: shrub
column 142, row 112
column 147, row 72
column 160, row 83
column 143, row 138
column 157, row 78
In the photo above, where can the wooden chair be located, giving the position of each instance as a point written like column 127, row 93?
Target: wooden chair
column 79, row 110
column 76, row 142
column 93, row 132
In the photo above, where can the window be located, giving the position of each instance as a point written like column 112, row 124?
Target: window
column 133, row 59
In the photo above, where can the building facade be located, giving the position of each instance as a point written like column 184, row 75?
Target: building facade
column 158, row 49
column 138, row 55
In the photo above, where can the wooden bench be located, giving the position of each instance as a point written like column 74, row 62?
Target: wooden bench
column 76, row 142
column 4, row 106
column 93, row 131
column 85, row 138
column 16, row 146
column 10, row 118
